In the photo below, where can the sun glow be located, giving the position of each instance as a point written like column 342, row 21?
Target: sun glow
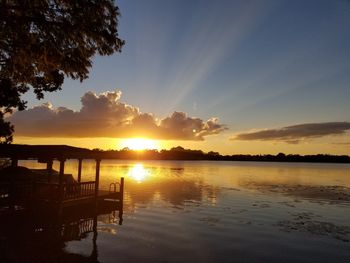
column 140, row 144
column 138, row 173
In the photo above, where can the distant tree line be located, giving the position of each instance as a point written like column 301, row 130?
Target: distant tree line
column 179, row 153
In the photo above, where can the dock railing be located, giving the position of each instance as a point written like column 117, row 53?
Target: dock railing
column 78, row 190
column 51, row 191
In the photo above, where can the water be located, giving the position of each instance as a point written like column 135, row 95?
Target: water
column 183, row 211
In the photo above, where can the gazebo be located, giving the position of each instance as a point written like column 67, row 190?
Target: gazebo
column 60, row 193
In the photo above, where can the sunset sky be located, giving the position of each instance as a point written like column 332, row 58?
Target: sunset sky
column 229, row 76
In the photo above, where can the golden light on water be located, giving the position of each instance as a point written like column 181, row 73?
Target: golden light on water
column 138, row 173
column 140, row 144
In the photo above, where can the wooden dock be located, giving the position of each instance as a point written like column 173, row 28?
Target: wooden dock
column 31, row 195
column 103, row 195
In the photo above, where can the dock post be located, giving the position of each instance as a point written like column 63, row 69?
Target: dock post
column 122, row 190
column 94, row 253
column 121, row 201
column 79, row 169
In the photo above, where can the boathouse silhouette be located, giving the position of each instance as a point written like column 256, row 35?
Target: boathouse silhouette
column 59, row 193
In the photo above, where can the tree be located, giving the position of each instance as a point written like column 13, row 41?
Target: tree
column 44, row 41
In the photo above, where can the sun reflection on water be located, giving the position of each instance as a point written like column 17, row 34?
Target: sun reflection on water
column 138, row 173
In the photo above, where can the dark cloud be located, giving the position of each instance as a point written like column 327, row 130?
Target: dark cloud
column 342, row 143
column 104, row 115
column 296, row 133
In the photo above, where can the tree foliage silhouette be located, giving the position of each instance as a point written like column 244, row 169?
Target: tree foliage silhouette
column 44, row 41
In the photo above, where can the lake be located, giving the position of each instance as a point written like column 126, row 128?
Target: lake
column 202, row 211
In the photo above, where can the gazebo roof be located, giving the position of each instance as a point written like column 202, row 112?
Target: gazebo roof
column 45, row 152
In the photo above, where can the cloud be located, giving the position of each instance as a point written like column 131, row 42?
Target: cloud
column 341, row 143
column 103, row 115
column 296, row 133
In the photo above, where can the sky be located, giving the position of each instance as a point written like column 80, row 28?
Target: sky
column 250, row 77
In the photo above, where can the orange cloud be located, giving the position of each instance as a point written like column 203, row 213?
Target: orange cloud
column 104, row 115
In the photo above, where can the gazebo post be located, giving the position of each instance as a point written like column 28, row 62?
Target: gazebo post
column 80, row 161
column 61, row 175
column 97, row 178
column 60, row 184
column 49, row 170
column 14, row 162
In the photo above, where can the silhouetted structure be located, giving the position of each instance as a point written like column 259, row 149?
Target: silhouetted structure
column 42, row 191
column 41, row 210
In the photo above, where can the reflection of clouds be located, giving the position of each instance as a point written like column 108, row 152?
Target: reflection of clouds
column 178, row 191
column 172, row 190
column 212, row 194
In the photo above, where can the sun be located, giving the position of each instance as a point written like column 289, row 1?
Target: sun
column 139, row 144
